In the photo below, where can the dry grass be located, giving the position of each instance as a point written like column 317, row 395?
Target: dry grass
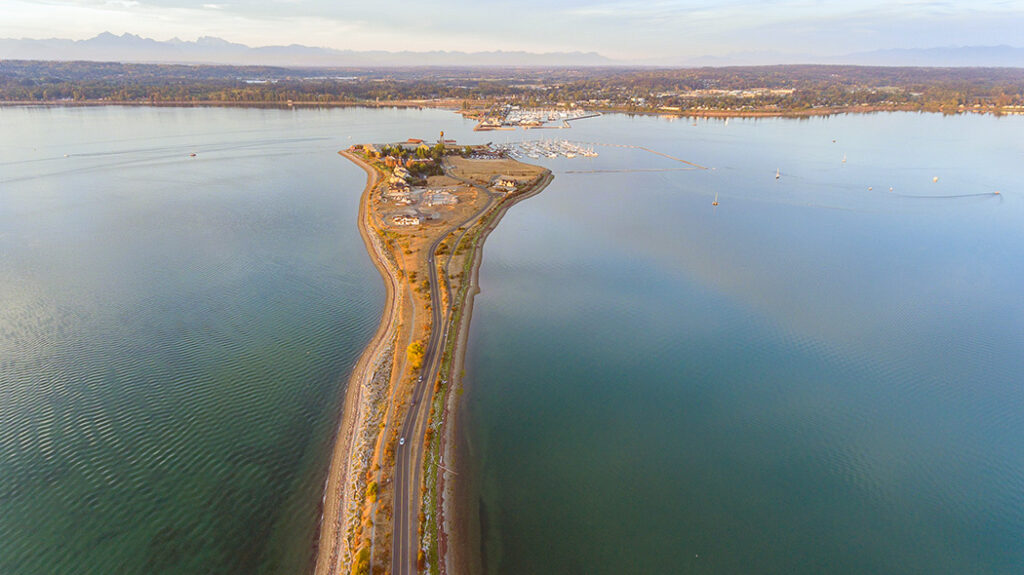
column 483, row 170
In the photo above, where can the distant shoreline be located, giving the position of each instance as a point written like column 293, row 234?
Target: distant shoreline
column 453, row 106
column 440, row 105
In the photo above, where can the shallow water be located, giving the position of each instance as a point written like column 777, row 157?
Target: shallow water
column 813, row 377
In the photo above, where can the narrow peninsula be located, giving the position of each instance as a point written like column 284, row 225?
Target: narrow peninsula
column 389, row 502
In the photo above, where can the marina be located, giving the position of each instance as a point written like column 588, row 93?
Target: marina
column 536, row 149
column 510, row 117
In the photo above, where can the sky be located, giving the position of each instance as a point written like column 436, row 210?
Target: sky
column 620, row 29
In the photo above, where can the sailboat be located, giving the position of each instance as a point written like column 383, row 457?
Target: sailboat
column 715, row 203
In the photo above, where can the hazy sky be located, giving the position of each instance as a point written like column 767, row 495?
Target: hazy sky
column 629, row 29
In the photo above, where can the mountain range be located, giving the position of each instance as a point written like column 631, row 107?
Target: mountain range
column 108, row 47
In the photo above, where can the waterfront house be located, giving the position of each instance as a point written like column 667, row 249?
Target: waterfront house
column 505, row 183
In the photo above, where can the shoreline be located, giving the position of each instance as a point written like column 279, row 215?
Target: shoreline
column 463, row 542
column 342, row 544
column 332, row 551
column 451, row 106
column 420, row 104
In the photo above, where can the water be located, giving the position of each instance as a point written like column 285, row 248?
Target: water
column 175, row 331
column 813, row 377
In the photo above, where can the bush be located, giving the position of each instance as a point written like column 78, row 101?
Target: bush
column 361, row 566
column 415, row 353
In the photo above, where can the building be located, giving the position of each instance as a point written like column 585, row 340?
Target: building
column 404, row 220
column 505, row 183
column 440, row 198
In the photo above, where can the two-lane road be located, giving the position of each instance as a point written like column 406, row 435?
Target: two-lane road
column 408, row 462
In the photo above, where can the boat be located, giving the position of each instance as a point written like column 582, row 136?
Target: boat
column 715, row 203
column 777, row 173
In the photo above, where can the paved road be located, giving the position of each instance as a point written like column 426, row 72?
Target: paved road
column 409, row 460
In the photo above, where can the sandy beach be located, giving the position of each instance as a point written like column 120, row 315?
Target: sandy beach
column 333, row 552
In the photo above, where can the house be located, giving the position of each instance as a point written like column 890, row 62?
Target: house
column 505, row 183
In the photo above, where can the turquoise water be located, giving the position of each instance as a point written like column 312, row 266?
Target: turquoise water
column 175, row 331
column 813, row 377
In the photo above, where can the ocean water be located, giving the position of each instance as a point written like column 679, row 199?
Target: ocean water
column 819, row 375
column 176, row 331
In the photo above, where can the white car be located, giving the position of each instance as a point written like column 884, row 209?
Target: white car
column 401, row 441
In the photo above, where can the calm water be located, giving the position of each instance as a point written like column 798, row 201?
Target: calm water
column 175, row 332
column 813, row 377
